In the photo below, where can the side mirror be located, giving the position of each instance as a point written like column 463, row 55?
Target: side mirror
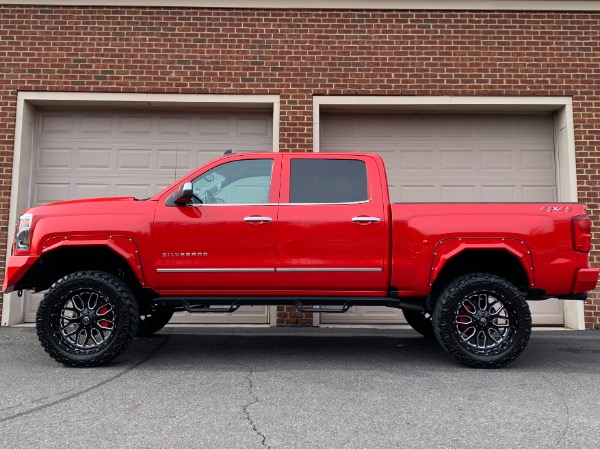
column 183, row 195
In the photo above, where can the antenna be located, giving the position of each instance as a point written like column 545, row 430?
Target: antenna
column 228, row 152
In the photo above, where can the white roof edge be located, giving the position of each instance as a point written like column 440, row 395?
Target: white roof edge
column 476, row 5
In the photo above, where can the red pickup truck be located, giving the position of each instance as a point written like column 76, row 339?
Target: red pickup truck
column 301, row 229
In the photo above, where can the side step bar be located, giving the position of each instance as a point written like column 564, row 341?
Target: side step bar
column 228, row 304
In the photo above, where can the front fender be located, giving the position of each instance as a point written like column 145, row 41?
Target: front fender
column 125, row 247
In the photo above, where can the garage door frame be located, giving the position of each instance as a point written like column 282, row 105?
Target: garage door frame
column 13, row 309
column 561, row 108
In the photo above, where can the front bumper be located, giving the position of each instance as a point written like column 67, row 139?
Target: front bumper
column 16, row 269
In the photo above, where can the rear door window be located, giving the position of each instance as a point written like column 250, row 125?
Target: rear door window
column 330, row 181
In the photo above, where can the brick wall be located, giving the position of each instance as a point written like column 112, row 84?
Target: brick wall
column 297, row 54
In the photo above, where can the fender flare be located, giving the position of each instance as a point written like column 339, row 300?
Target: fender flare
column 123, row 246
column 447, row 249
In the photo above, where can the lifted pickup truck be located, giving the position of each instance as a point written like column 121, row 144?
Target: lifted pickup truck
column 301, row 229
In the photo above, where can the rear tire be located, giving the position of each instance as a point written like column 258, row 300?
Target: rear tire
column 87, row 318
column 419, row 322
column 482, row 320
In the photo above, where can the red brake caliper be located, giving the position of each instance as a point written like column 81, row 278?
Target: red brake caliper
column 464, row 309
column 101, row 311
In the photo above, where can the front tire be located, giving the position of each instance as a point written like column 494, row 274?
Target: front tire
column 482, row 320
column 87, row 318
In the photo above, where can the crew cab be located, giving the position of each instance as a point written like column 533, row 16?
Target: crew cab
column 301, row 229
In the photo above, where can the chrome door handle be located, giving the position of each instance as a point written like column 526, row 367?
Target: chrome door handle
column 257, row 219
column 363, row 219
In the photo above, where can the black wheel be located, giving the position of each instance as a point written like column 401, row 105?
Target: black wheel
column 87, row 318
column 482, row 320
column 154, row 320
column 420, row 322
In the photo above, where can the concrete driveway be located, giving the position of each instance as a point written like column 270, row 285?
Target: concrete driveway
column 300, row 388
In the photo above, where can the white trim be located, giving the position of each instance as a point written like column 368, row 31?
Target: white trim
column 13, row 308
column 560, row 107
column 477, row 5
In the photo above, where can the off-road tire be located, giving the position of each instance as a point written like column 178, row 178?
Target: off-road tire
column 419, row 322
column 87, row 318
column 482, row 320
column 154, row 320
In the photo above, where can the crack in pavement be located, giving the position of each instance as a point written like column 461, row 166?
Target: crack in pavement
column 246, row 410
column 88, row 389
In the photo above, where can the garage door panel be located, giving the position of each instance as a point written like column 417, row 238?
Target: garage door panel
column 179, row 126
column 455, row 158
column 538, row 161
column 49, row 192
column 57, row 124
column 457, row 161
column 83, row 154
column 538, row 193
column 54, row 158
column 88, row 159
column 416, row 161
column 499, row 194
column 458, row 193
column 416, row 194
column 415, row 127
column 134, row 159
column 494, row 161
column 138, row 125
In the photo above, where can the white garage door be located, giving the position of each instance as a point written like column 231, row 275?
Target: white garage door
column 84, row 154
column 446, row 158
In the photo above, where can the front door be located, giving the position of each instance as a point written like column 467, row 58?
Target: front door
column 333, row 228
column 224, row 241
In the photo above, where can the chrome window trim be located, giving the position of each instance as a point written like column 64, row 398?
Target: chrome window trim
column 280, row 204
column 326, row 204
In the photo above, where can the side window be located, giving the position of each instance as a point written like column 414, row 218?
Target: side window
column 237, row 182
column 328, row 181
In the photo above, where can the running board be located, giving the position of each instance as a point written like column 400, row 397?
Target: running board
column 228, row 304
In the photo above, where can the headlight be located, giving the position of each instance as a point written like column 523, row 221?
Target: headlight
column 23, row 235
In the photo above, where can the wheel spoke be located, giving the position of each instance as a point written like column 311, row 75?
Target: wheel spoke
column 469, row 306
column 104, row 310
column 69, row 318
column 78, row 303
column 463, row 319
column 106, row 325
column 70, row 333
column 468, row 333
column 92, row 301
column 481, row 336
column 96, row 342
column 482, row 301
column 495, row 335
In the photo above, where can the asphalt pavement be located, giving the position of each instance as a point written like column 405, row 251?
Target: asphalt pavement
column 198, row 387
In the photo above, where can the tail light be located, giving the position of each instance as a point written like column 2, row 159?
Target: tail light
column 582, row 234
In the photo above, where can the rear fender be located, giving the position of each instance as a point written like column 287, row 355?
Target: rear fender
column 123, row 246
column 447, row 249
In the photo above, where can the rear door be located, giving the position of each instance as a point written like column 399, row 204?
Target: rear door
column 333, row 227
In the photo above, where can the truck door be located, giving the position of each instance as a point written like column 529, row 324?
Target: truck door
column 225, row 239
column 333, row 228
